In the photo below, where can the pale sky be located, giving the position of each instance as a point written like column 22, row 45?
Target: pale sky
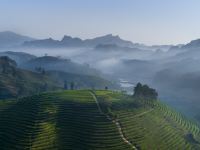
column 143, row 21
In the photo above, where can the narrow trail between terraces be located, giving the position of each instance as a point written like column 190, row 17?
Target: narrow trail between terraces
column 115, row 121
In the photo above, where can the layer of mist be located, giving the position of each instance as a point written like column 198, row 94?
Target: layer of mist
column 172, row 70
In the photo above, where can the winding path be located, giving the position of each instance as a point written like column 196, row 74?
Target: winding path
column 116, row 122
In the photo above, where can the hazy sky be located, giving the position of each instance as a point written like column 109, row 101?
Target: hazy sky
column 144, row 21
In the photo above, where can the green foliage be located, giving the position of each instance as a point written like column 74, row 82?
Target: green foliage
column 19, row 82
column 143, row 91
column 65, row 85
column 7, row 65
column 151, row 124
column 72, row 85
column 71, row 120
column 82, row 81
column 59, row 120
column 25, row 83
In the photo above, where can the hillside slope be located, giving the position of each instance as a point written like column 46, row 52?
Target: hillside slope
column 93, row 120
column 9, row 39
column 64, row 120
column 15, row 82
column 149, row 124
column 25, row 83
column 19, row 57
column 51, row 63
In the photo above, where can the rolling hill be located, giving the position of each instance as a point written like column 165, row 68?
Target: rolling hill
column 15, row 82
column 19, row 57
column 51, row 63
column 10, row 39
column 150, row 124
column 99, row 120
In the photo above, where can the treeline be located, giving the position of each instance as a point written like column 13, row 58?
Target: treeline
column 70, row 85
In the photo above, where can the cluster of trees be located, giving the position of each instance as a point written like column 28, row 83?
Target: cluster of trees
column 144, row 91
column 40, row 70
column 7, row 65
column 71, row 85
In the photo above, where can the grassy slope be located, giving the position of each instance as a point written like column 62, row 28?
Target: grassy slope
column 71, row 120
column 64, row 120
column 150, row 125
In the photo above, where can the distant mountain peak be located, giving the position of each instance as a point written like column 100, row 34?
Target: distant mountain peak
column 109, row 39
column 67, row 37
column 50, row 39
column 113, row 36
column 9, row 39
column 192, row 44
column 68, row 41
column 108, row 35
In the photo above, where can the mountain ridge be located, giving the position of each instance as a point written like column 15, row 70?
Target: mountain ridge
column 68, row 41
column 9, row 39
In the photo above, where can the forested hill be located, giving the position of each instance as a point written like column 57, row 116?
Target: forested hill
column 16, row 82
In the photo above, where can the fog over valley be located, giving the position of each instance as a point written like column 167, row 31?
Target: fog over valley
column 173, row 70
column 99, row 75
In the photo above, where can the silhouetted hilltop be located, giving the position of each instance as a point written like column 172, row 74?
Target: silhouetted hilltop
column 68, row 41
column 9, row 39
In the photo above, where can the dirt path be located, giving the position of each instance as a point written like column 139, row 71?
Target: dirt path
column 145, row 112
column 116, row 122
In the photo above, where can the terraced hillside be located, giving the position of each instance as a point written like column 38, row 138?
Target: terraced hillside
column 62, row 120
column 149, row 124
column 85, row 120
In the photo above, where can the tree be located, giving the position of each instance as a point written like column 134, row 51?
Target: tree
column 14, row 72
column 106, row 88
column 43, row 71
column 138, row 90
column 40, row 70
column 144, row 91
column 72, row 85
column 7, row 65
column 43, row 87
column 65, row 85
column 3, row 68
